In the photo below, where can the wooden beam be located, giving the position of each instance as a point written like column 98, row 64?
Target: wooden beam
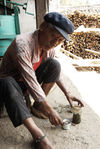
column 92, row 51
column 88, row 68
column 70, row 54
column 41, row 7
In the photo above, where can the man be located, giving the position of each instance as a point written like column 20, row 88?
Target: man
column 29, row 58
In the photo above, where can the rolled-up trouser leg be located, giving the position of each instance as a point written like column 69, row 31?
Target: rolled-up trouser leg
column 49, row 71
column 14, row 101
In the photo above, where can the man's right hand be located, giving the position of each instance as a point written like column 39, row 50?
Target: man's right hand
column 53, row 116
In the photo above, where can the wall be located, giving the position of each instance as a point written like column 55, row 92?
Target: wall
column 56, row 5
column 27, row 22
column 79, row 2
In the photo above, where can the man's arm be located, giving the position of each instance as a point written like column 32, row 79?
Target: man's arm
column 48, row 111
column 69, row 97
column 28, row 75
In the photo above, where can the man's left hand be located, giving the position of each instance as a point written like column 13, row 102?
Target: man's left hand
column 72, row 98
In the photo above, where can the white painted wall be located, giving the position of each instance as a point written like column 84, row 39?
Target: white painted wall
column 81, row 2
column 27, row 22
column 55, row 4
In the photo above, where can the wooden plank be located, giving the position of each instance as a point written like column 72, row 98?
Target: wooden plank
column 70, row 54
column 78, row 61
column 86, row 63
column 92, row 51
column 41, row 7
column 88, row 68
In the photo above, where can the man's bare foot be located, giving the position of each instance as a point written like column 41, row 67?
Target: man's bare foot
column 44, row 144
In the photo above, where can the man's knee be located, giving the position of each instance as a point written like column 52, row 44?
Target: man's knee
column 54, row 65
column 8, row 80
column 49, row 71
column 11, row 86
column 53, row 71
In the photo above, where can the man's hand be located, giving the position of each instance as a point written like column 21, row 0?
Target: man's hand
column 72, row 98
column 48, row 111
column 55, row 118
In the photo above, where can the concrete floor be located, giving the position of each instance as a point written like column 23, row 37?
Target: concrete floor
column 86, row 135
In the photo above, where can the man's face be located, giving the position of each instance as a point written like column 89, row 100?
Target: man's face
column 51, row 38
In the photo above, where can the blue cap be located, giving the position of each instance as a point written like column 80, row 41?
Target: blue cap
column 60, row 22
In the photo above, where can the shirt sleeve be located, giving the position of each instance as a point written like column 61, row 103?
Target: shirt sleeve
column 28, row 74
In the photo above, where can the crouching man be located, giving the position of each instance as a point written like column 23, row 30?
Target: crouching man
column 29, row 64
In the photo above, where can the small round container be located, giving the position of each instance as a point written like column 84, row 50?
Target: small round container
column 66, row 124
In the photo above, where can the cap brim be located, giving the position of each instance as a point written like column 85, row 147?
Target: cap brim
column 62, row 32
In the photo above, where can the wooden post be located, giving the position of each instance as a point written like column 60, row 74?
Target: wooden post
column 41, row 7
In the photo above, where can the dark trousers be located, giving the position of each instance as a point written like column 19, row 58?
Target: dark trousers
column 11, row 92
